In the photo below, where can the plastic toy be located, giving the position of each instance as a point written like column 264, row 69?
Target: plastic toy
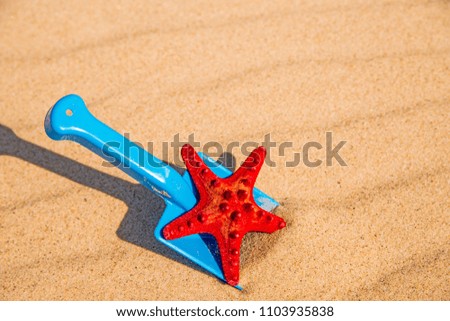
column 69, row 119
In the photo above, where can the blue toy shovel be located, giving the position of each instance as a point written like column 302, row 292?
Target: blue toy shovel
column 69, row 119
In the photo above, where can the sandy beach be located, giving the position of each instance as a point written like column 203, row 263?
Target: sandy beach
column 374, row 74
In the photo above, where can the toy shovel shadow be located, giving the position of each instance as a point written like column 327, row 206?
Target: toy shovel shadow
column 69, row 119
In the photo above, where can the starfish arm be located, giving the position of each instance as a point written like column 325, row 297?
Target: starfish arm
column 250, row 168
column 266, row 222
column 230, row 256
column 201, row 175
column 193, row 222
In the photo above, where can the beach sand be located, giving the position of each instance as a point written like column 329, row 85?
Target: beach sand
column 375, row 74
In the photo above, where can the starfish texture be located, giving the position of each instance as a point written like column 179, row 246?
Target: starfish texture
column 226, row 208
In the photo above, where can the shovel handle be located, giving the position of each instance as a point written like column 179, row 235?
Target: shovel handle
column 69, row 119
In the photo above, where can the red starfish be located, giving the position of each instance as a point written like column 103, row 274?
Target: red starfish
column 226, row 208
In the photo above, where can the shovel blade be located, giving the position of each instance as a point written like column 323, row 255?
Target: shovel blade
column 202, row 249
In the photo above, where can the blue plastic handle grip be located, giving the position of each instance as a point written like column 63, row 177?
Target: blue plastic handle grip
column 69, row 119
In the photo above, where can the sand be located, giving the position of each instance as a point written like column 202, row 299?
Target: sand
column 375, row 74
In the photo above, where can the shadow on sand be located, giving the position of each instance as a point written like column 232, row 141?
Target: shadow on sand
column 144, row 207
